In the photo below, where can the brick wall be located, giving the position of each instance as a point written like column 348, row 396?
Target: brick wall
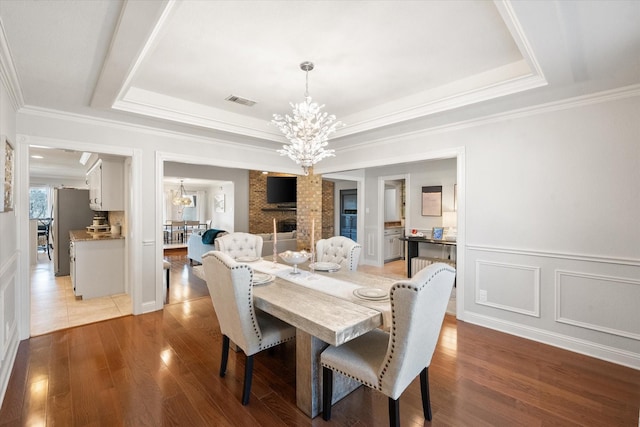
column 261, row 221
column 328, row 209
column 315, row 201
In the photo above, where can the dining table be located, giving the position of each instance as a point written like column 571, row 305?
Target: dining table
column 326, row 308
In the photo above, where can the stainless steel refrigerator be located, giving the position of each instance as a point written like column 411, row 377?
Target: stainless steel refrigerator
column 70, row 212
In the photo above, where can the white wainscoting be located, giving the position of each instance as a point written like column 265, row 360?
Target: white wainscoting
column 8, row 320
column 587, row 303
column 509, row 287
column 602, row 303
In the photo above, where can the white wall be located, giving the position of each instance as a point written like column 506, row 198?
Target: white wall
column 10, row 295
column 225, row 220
column 549, row 212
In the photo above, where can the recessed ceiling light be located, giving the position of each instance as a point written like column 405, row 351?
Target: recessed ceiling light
column 83, row 159
column 37, row 157
column 265, row 172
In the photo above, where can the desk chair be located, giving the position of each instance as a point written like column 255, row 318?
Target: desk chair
column 339, row 249
column 231, row 291
column 388, row 362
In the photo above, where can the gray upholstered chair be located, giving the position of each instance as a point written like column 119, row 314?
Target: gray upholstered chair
column 388, row 362
column 239, row 245
column 229, row 284
column 339, row 249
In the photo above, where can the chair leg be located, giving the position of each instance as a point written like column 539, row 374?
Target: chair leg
column 168, row 271
column 327, row 392
column 394, row 412
column 248, row 373
column 225, row 355
column 424, row 388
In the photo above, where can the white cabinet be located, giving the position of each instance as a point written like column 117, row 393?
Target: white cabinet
column 97, row 267
column 392, row 244
column 106, row 185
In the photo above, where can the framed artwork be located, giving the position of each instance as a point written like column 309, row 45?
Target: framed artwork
column 437, row 233
column 432, row 201
column 218, row 202
column 8, row 174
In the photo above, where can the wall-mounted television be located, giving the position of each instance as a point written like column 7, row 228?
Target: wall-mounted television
column 282, row 189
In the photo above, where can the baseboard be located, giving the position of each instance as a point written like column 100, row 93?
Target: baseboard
column 588, row 348
column 6, row 367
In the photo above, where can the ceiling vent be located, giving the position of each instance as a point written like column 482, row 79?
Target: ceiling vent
column 240, row 100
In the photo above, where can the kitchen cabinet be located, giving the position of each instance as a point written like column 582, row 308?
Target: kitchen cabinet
column 106, row 185
column 392, row 244
column 97, row 265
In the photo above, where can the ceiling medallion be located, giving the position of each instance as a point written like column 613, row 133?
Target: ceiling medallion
column 307, row 130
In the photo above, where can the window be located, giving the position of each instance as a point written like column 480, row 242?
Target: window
column 39, row 202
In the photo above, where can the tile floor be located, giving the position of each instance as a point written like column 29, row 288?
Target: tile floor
column 54, row 306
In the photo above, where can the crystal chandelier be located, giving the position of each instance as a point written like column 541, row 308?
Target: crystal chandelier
column 181, row 198
column 307, row 130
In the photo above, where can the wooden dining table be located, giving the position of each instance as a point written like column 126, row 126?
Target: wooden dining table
column 321, row 319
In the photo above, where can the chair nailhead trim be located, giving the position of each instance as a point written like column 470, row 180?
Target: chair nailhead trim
column 254, row 321
column 412, row 287
column 373, row 386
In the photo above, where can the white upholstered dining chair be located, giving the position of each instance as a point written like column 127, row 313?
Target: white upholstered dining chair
column 252, row 330
column 389, row 362
column 339, row 249
column 239, row 245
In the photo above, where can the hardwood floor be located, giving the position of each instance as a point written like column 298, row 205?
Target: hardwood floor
column 161, row 368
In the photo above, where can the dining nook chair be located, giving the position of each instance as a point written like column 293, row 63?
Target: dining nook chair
column 339, row 249
column 389, row 362
column 44, row 235
column 252, row 330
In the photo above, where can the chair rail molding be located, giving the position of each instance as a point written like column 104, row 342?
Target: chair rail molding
column 549, row 254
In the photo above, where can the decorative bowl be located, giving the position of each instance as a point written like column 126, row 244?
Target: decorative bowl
column 295, row 258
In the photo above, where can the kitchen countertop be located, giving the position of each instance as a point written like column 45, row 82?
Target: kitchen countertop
column 81, row 235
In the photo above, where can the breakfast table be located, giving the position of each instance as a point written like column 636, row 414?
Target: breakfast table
column 327, row 308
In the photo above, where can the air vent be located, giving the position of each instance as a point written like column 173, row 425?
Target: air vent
column 239, row 100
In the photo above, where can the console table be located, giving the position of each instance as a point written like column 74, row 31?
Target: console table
column 412, row 247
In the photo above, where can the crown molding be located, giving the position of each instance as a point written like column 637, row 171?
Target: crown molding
column 164, row 107
column 133, row 127
column 8, row 74
column 565, row 104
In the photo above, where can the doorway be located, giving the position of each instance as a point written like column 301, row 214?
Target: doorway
column 52, row 301
column 349, row 214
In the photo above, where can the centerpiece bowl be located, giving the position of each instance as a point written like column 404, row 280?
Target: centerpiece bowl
column 294, row 258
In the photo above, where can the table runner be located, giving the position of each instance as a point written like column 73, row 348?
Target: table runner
column 341, row 285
